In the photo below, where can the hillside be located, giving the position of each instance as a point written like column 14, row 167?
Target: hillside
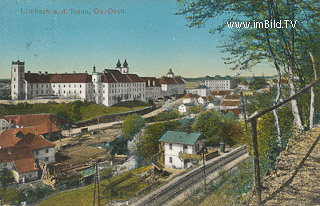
column 295, row 179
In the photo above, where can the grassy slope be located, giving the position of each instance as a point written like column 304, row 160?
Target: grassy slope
column 124, row 186
column 76, row 111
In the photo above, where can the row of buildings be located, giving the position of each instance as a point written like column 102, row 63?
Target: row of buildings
column 24, row 144
column 107, row 88
column 216, row 83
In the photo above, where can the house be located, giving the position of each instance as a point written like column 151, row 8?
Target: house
column 201, row 90
column 220, row 94
column 20, row 152
column 48, row 125
column 153, row 88
column 183, row 109
column 178, row 146
column 217, row 82
column 202, row 100
column 21, row 162
column 244, row 85
column 172, row 85
column 4, row 124
column 190, row 98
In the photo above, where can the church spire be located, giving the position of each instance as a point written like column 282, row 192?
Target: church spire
column 118, row 64
column 125, row 64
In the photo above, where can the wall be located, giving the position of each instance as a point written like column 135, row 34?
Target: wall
column 113, row 117
column 29, row 176
column 42, row 154
column 37, row 101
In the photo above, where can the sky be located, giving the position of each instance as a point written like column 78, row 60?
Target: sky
column 144, row 32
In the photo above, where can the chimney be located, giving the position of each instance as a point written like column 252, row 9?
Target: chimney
column 39, row 72
column 66, row 73
column 46, row 73
column 74, row 72
column 29, row 72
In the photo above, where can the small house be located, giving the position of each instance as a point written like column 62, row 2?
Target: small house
column 180, row 148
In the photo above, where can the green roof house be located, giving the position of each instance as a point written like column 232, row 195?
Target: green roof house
column 180, row 148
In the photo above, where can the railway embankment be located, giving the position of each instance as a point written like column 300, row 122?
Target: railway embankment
column 295, row 178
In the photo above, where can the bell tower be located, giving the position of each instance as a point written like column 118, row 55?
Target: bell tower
column 17, row 80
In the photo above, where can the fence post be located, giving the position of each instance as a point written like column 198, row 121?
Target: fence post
column 256, row 160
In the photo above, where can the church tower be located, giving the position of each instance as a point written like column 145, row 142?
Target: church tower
column 17, row 80
column 170, row 73
column 124, row 69
column 97, row 87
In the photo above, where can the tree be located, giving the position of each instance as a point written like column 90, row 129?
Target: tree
column 149, row 139
column 283, row 46
column 218, row 127
column 257, row 83
column 132, row 125
column 6, row 177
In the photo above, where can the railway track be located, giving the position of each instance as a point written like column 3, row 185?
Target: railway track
column 168, row 193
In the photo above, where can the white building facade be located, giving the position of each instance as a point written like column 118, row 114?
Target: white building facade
column 175, row 143
column 4, row 124
column 108, row 87
column 217, row 83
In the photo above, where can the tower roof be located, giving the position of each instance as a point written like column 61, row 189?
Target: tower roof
column 118, row 64
column 170, row 71
column 125, row 64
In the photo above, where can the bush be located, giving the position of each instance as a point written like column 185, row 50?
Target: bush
column 132, row 125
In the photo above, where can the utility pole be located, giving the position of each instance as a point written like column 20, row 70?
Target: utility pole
column 203, row 151
column 96, row 178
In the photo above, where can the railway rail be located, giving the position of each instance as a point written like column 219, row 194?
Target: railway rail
column 168, row 193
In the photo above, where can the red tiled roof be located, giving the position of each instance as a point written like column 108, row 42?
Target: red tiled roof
column 22, row 158
column 35, row 142
column 71, row 78
column 179, row 80
column 154, row 82
column 169, row 80
column 8, row 138
column 58, row 78
column 235, row 97
column 114, row 76
column 220, row 92
column 44, row 123
column 230, row 103
column 25, row 165
column 15, row 153
column 37, row 78
column 190, row 95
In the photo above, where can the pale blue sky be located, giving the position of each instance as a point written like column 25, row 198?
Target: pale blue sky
column 148, row 35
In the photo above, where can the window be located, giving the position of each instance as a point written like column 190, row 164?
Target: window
column 170, row 146
column 37, row 152
column 47, row 150
column 5, row 164
column 185, row 147
column 170, row 159
column 46, row 159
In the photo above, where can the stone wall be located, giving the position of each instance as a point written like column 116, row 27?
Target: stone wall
column 38, row 101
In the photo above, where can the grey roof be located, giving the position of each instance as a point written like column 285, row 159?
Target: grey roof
column 180, row 137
